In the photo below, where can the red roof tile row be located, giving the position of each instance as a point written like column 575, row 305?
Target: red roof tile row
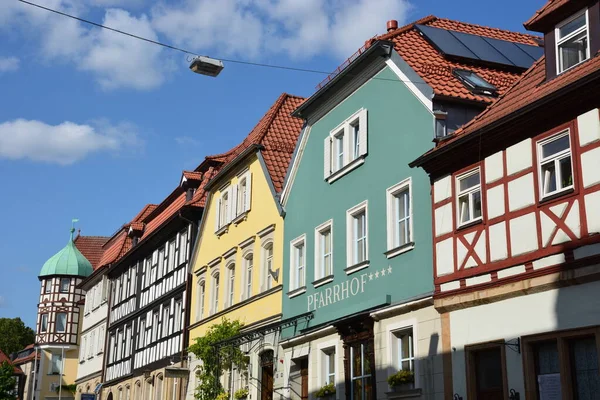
column 436, row 70
column 3, row 358
column 91, row 247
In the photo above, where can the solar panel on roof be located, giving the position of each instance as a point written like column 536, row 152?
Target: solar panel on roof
column 445, row 42
column 517, row 56
column 482, row 48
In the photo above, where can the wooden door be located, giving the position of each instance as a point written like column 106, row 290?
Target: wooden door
column 304, row 379
column 487, row 376
column 266, row 376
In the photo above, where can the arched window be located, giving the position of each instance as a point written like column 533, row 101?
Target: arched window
column 230, row 283
column 120, row 393
column 201, row 299
column 215, row 293
column 267, row 266
column 248, row 267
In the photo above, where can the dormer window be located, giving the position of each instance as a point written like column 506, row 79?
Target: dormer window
column 572, row 43
column 189, row 194
column 475, row 83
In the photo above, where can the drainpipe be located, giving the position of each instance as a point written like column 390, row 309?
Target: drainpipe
column 35, row 361
column 62, row 370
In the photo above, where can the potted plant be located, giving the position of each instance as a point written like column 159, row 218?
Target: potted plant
column 223, row 396
column 402, row 380
column 241, row 394
column 327, row 391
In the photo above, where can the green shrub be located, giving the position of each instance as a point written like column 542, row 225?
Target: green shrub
column 326, row 390
column 223, row 396
column 401, row 377
column 241, row 394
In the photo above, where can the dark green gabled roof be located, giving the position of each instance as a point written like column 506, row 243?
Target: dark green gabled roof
column 68, row 261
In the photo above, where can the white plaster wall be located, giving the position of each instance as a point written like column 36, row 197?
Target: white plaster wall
column 442, row 189
column 523, row 237
column 516, row 317
column 443, row 219
column 444, row 256
column 498, row 246
column 590, row 167
column 494, row 167
column 588, row 125
column 518, row 157
column 97, row 314
column 495, row 201
column 520, row 192
column 94, row 364
column 592, row 210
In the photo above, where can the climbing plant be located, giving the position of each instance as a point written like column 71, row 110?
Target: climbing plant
column 217, row 360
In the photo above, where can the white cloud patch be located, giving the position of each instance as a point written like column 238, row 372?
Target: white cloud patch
column 244, row 29
column 8, row 64
column 62, row 144
column 186, row 141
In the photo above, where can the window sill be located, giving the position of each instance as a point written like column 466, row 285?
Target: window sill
column 398, row 393
column 470, row 224
column 296, row 292
column 240, row 218
column 222, row 230
column 556, row 195
column 323, row 281
column 396, row 251
column 346, row 169
column 356, row 267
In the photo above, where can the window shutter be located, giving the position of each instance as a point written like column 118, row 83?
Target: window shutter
column 217, row 213
column 231, row 205
column 248, row 190
column 235, row 207
column 327, row 157
column 363, row 132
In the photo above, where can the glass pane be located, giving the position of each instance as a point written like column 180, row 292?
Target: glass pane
column 572, row 26
column 361, row 251
column 327, row 265
column 488, row 370
column 402, row 232
column 368, row 389
column 405, row 365
column 476, row 204
column 469, row 181
column 584, row 356
column 357, row 387
column 402, row 204
column 546, row 355
column 566, row 174
column 555, row 146
column 356, row 130
column 549, row 176
column 573, row 51
column 331, row 357
column 326, row 242
column 463, row 208
column 356, row 361
column 367, row 349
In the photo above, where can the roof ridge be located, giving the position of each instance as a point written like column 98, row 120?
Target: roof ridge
column 538, row 13
column 529, row 35
column 407, row 27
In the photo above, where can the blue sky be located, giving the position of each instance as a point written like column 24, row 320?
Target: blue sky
column 94, row 125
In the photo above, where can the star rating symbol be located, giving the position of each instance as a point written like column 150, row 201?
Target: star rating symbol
column 389, row 270
column 382, row 271
column 376, row 274
column 370, row 277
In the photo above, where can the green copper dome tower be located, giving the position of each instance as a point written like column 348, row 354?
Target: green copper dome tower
column 68, row 261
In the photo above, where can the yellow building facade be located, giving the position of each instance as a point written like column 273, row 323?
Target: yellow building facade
column 237, row 266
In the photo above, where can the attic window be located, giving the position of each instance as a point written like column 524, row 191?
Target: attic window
column 189, row 194
column 572, row 42
column 475, row 83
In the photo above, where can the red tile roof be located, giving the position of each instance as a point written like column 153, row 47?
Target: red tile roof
column 192, row 175
column 28, row 358
column 436, row 70
column 550, row 7
column 531, row 88
column 3, row 358
column 277, row 132
column 137, row 226
column 91, row 247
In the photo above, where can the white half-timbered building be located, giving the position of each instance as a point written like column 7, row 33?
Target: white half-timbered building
column 516, row 209
column 146, row 340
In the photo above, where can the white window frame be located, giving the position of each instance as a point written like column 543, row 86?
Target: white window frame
column 214, row 290
column 352, row 238
column 298, row 272
column 56, row 322
column 101, row 334
column 322, row 366
column 267, row 280
column 230, row 284
column 470, row 191
column 320, row 256
column 48, row 286
column 243, row 198
column 44, row 326
column 393, row 343
column 83, row 349
column 201, row 300
column 352, row 157
column 559, row 42
column 248, row 261
column 224, row 213
column 55, row 366
column 68, row 280
column 393, row 219
column 556, row 159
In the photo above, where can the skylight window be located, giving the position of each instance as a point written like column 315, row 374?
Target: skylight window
column 475, row 82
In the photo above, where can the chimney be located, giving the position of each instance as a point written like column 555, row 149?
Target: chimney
column 392, row 25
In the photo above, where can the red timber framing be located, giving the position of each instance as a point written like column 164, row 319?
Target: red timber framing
column 520, row 235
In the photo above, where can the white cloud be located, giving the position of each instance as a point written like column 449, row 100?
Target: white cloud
column 9, row 64
column 62, row 144
column 186, row 141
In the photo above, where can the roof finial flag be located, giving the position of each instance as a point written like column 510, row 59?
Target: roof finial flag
column 73, row 226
